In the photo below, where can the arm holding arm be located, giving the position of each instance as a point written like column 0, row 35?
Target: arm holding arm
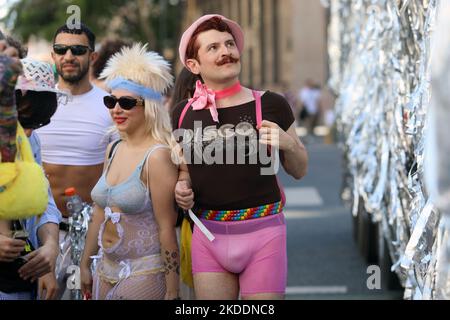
column 184, row 195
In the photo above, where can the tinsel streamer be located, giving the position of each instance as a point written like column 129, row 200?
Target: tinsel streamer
column 380, row 55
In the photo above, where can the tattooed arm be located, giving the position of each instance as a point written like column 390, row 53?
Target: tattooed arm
column 162, row 175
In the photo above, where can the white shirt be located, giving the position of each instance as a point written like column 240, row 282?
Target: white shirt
column 310, row 99
column 77, row 133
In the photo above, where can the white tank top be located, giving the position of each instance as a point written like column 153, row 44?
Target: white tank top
column 77, row 133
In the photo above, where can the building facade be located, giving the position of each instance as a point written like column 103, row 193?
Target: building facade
column 285, row 40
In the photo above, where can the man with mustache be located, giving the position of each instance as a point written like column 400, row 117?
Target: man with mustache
column 238, row 203
column 75, row 141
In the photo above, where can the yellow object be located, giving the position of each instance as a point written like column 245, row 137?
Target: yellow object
column 186, row 262
column 23, row 186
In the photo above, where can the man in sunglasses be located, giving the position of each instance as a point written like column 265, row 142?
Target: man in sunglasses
column 74, row 143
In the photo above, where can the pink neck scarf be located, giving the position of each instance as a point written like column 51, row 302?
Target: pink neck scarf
column 205, row 98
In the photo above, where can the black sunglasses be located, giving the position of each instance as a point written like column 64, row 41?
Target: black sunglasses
column 77, row 50
column 126, row 103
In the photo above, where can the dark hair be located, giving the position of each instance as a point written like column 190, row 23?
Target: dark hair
column 83, row 29
column 184, row 87
column 215, row 23
column 2, row 36
column 107, row 49
column 23, row 51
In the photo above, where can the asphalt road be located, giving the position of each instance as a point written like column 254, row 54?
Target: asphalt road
column 323, row 260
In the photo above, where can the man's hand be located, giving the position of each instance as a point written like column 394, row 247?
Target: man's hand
column 10, row 249
column 184, row 195
column 272, row 135
column 40, row 262
column 48, row 285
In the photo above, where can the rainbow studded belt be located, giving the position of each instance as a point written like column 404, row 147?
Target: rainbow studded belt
column 240, row 214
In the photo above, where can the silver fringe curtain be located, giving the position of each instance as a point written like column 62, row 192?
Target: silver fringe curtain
column 380, row 54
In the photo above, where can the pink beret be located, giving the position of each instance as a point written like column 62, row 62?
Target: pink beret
column 236, row 30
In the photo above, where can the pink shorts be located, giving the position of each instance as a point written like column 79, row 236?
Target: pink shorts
column 255, row 250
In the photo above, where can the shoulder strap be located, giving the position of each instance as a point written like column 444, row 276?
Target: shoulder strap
column 183, row 113
column 114, row 145
column 257, row 97
column 154, row 148
column 111, row 154
column 147, row 155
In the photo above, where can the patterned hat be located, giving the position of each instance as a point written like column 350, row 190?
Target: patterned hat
column 38, row 76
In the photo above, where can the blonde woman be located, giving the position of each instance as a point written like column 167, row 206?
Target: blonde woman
column 133, row 226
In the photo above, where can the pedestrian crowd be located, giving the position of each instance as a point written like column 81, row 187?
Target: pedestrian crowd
column 180, row 176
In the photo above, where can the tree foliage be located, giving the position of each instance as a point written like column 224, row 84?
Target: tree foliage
column 154, row 21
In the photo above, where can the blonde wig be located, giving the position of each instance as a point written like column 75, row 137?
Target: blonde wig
column 149, row 70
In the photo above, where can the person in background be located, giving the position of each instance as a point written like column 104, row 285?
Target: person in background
column 291, row 98
column 10, row 71
column 21, row 51
column 309, row 99
column 108, row 48
column 36, row 99
column 183, row 88
column 326, row 106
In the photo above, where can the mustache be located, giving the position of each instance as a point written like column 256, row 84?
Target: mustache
column 227, row 59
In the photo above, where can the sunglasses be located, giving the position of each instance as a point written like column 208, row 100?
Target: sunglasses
column 126, row 103
column 77, row 50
